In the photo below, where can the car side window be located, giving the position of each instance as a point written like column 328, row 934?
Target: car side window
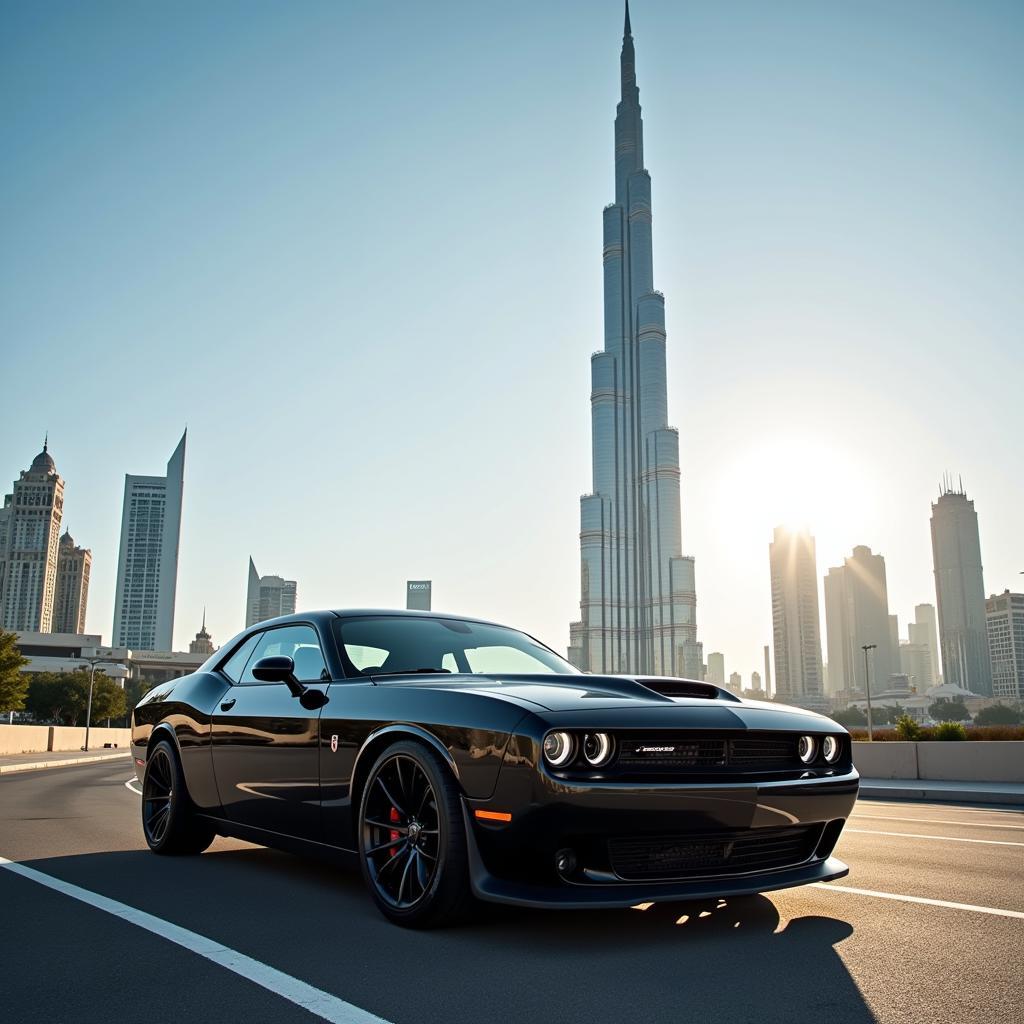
column 235, row 665
column 300, row 643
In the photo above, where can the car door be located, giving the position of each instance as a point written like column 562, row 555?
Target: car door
column 265, row 741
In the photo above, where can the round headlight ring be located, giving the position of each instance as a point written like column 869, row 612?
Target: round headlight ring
column 831, row 747
column 597, row 749
column 805, row 749
column 559, row 748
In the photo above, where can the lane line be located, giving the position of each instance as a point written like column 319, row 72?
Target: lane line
column 948, row 839
column 934, row 821
column 918, row 899
column 322, row 1004
column 64, row 762
column 131, row 784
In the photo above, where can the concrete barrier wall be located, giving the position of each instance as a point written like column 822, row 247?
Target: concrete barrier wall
column 24, row 739
column 37, row 739
column 72, row 737
column 957, row 761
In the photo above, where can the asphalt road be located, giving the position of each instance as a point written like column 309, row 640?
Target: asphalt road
column 814, row 954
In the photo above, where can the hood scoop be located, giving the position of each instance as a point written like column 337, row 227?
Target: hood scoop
column 669, row 687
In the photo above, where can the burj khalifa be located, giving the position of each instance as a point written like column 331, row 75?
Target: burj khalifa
column 638, row 599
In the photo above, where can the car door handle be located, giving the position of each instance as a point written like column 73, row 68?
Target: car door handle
column 228, row 704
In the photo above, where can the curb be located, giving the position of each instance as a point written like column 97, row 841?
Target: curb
column 67, row 762
column 942, row 796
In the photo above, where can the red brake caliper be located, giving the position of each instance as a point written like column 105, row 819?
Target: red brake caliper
column 393, row 816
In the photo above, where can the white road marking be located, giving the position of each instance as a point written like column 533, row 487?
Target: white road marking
column 948, row 839
column 934, row 821
column 996, row 911
column 322, row 1004
column 131, row 784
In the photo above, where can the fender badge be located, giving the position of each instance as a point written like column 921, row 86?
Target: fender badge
column 334, row 743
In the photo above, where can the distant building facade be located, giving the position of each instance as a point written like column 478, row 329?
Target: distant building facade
column 767, row 670
column 796, row 633
column 716, row 668
column 417, row 595
column 29, row 545
column 268, row 596
column 856, row 614
column 1005, row 617
column 960, row 593
column 71, row 599
column 755, row 680
column 638, row 603
column 735, row 682
column 916, row 665
column 147, row 564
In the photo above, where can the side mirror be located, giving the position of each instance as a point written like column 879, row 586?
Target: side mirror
column 277, row 668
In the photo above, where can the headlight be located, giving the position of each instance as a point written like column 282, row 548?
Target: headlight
column 805, row 748
column 830, row 747
column 558, row 748
column 597, row 748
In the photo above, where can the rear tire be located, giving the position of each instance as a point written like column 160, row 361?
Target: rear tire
column 412, row 839
column 170, row 822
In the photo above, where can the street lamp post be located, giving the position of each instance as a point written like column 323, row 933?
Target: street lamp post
column 93, row 662
column 867, row 683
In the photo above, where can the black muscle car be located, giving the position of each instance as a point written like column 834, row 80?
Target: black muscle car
column 459, row 760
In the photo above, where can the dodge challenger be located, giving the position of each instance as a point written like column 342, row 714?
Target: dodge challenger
column 456, row 760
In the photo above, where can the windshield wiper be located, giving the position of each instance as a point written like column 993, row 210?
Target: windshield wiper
column 411, row 672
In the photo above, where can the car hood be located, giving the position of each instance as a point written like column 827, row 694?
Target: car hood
column 590, row 694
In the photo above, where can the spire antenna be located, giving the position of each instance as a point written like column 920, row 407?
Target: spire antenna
column 46, row 440
column 627, row 31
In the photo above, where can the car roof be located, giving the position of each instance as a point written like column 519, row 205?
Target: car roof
column 326, row 614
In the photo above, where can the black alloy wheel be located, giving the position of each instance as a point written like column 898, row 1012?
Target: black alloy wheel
column 412, row 838
column 169, row 819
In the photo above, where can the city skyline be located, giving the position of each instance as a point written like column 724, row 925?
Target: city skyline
column 781, row 288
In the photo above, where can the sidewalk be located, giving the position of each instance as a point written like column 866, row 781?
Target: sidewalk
column 1007, row 793
column 57, row 759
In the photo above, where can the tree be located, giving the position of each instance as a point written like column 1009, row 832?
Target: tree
column 998, row 714
column 885, row 714
column 944, row 710
column 64, row 697
column 850, row 718
column 13, row 685
column 108, row 699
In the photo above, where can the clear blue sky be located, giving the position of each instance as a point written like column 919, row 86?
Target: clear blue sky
column 356, row 248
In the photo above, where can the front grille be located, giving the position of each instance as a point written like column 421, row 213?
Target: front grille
column 724, row 853
column 751, row 752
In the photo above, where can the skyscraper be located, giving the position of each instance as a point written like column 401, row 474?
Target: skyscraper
column 147, row 565
column 638, row 600
column 1005, row 615
column 417, row 595
column 795, row 626
column 716, row 668
column 857, row 613
column 960, row 592
column 923, row 630
column 74, row 566
column 29, row 542
column 268, row 596
column 767, row 671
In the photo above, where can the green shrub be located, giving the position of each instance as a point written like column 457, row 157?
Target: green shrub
column 907, row 728
column 950, row 731
column 998, row 714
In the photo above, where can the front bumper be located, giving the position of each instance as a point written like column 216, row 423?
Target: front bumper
column 514, row 862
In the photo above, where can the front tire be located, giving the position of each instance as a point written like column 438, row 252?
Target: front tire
column 169, row 819
column 412, row 839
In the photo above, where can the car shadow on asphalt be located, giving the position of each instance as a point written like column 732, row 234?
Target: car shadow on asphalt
column 729, row 960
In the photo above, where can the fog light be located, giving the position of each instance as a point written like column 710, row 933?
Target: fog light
column 805, row 749
column 559, row 748
column 565, row 862
column 597, row 748
column 830, row 747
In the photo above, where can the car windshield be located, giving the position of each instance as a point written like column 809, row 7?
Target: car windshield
column 396, row 644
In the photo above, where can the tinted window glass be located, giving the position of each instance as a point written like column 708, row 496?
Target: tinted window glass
column 300, row 643
column 394, row 644
column 235, row 665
